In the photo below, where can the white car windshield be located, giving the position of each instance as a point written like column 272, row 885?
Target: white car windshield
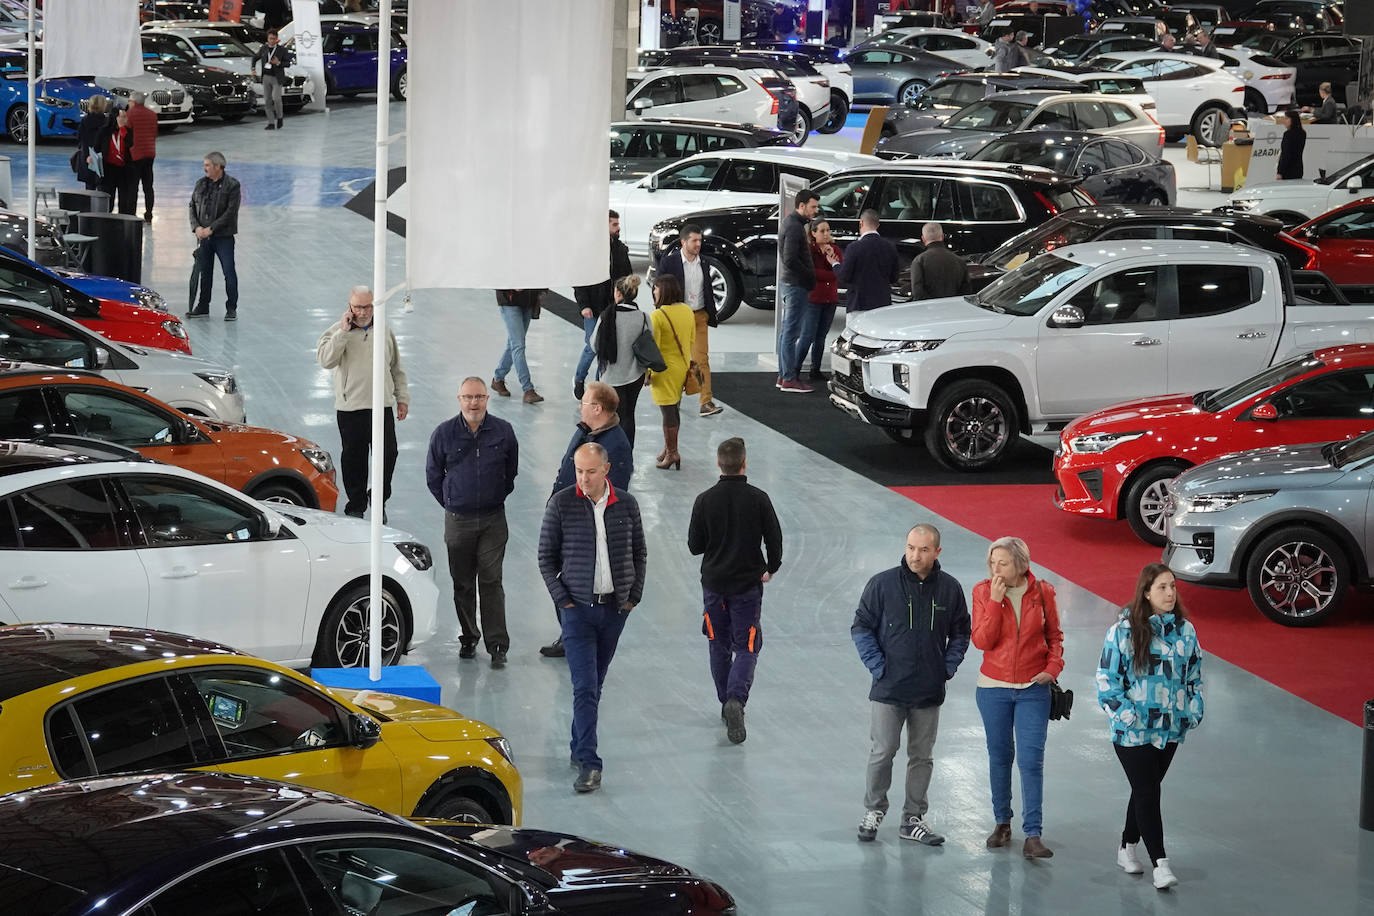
column 1025, row 290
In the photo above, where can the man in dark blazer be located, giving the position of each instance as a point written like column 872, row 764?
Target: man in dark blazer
column 870, row 267
column 938, row 272
column 687, row 264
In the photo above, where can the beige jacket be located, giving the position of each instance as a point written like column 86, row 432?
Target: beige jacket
column 349, row 354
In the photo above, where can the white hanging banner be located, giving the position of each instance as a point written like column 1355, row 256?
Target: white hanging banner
column 650, row 23
column 308, row 45
column 730, row 29
column 521, row 202
column 88, row 37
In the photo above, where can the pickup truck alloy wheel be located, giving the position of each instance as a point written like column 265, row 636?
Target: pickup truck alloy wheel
column 346, row 629
column 972, row 425
column 1145, row 501
column 1297, row 576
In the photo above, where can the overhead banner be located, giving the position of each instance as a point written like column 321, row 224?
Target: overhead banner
column 731, row 27
column 226, row 10
column 308, row 47
column 82, row 37
column 520, row 203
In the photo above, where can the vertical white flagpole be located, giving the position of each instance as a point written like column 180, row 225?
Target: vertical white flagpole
column 33, row 139
column 379, row 340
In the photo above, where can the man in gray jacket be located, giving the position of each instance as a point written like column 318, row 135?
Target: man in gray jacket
column 1006, row 56
column 215, row 221
column 938, row 272
column 347, row 349
column 795, row 283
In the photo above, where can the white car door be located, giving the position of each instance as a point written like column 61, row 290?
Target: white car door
column 65, row 556
column 214, row 571
column 669, row 192
column 1225, row 327
column 1120, row 351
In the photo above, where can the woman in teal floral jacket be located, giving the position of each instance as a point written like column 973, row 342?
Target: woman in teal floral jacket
column 1149, row 681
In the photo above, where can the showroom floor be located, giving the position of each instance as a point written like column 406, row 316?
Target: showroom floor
column 1260, row 808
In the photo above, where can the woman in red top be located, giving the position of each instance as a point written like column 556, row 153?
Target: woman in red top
column 1016, row 624
column 120, row 181
column 826, row 256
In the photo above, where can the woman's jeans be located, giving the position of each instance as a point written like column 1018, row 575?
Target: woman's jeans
column 813, row 337
column 517, row 323
column 1016, row 720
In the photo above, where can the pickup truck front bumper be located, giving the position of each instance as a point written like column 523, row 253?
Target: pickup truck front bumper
column 871, row 410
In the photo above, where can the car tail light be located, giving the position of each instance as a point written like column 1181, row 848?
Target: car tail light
column 771, row 96
column 1049, row 204
column 1311, row 252
column 1161, row 137
column 1277, row 76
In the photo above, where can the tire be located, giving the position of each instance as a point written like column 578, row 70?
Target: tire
column 344, row 631
column 17, row 124
column 1143, row 504
column 279, row 491
column 802, row 129
column 1297, row 576
column 460, row 808
column 1254, row 101
column 839, row 112
column 399, row 84
column 901, row 435
column 910, row 89
column 725, row 285
column 1157, row 199
column 331, row 87
column 231, row 118
column 709, row 32
column 1211, row 125
column 971, row 425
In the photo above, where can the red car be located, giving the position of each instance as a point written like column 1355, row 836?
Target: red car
column 1115, row 462
column 1344, row 240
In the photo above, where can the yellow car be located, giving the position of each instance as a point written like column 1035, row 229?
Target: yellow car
column 80, row 701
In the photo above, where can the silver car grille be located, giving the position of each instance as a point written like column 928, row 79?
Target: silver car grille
column 169, row 97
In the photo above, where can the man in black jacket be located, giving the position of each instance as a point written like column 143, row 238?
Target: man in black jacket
column 912, row 629
column 214, row 211
column 870, row 267
column 938, row 272
column 795, row 282
column 596, row 298
column 471, row 467
column 729, row 522
column 592, row 557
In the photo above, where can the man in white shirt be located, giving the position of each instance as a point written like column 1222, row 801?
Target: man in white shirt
column 690, row 269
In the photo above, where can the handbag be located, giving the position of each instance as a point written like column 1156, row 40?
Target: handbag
column 1061, row 700
column 692, row 383
column 646, row 351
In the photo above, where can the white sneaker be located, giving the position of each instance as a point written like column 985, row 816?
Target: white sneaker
column 1125, row 857
column 1164, row 875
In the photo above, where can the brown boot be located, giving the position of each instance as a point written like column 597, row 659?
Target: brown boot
column 500, row 388
column 1034, row 849
column 1001, row 836
column 671, row 459
column 532, row 397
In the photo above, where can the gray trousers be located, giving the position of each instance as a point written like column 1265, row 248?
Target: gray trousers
column 271, row 97
column 886, row 730
column 476, row 553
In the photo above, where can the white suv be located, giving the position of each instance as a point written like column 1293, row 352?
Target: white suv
column 709, row 93
column 1194, row 94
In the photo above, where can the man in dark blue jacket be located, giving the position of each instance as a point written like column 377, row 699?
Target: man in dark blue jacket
column 592, row 557
column 912, row 629
column 870, row 267
column 471, row 467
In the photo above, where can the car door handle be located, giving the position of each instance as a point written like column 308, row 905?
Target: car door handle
column 180, row 572
column 1251, row 335
column 28, row 582
column 1146, row 341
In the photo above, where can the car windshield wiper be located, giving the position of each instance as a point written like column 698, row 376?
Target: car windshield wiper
column 984, row 304
column 1201, row 400
column 1329, row 453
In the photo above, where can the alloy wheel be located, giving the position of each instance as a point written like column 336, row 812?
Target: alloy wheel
column 1153, row 502
column 975, row 429
column 352, row 634
column 1299, row 579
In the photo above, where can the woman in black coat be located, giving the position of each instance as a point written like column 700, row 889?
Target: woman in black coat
column 1290, row 150
column 88, row 138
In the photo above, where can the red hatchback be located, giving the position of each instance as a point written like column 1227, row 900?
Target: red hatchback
column 1344, row 240
column 1115, row 462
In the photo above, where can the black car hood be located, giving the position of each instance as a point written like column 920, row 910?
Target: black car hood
column 735, row 223
column 557, row 859
column 195, row 73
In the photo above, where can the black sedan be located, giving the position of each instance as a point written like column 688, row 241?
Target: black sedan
column 213, row 91
column 233, row 846
column 1111, row 171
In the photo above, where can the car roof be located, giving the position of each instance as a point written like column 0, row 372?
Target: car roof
column 1034, row 96
column 18, row 457
column 1098, row 253
column 924, row 30
column 828, row 159
column 964, row 167
column 1172, row 215
column 1050, row 136
column 192, row 32
column 15, row 369
column 1129, row 56
column 1357, row 354
column 40, row 655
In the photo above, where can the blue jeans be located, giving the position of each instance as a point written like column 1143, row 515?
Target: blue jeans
column 823, row 316
column 222, row 247
column 795, row 311
column 1016, row 719
column 584, row 363
column 590, row 635
column 517, row 323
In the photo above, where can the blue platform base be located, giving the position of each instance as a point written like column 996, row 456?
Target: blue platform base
column 404, row 680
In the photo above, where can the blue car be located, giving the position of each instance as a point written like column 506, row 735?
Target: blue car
column 18, row 274
column 61, row 101
column 350, row 56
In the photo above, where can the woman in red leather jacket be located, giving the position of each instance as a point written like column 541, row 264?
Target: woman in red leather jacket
column 826, row 255
column 1016, row 624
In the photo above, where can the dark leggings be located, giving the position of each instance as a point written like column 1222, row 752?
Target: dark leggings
column 672, row 419
column 625, row 410
column 1145, row 767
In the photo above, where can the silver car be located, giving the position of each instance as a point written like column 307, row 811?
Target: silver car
column 1292, row 524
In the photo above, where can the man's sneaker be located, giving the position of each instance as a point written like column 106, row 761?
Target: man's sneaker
column 779, row 383
column 588, row 780
column 467, row 650
column 710, row 409
column 734, row 721
column 498, row 659
column 868, row 827
column 796, row 386
column 1126, row 858
column 231, row 316
column 554, row 649
column 499, row 386
column 913, row 828
column 1164, row 875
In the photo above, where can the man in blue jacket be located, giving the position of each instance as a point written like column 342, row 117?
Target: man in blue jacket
column 870, row 267
column 912, row 629
column 471, row 467
column 592, row 557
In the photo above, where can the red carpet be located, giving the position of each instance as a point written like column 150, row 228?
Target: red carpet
column 1331, row 666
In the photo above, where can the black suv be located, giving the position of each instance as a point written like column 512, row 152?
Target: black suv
column 1321, row 57
column 952, row 93
column 980, row 204
column 644, row 146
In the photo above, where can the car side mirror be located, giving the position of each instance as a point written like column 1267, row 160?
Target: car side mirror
column 642, row 104
column 102, row 358
column 651, row 182
column 270, row 527
column 182, row 431
column 363, row 731
column 1329, row 231
column 1264, row 411
column 1354, row 184
column 1067, row 316
column 1088, row 170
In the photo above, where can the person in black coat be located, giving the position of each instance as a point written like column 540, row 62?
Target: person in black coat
column 115, row 141
column 870, row 267
column 594, row 299
column 88, row 139
column 1290, row 149
column 938, row 272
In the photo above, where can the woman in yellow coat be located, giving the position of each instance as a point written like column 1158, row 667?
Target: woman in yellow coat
column 674, row 328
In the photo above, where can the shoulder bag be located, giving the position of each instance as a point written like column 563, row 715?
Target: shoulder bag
column 692, row 383
column 1061, row 700
column 645, row 348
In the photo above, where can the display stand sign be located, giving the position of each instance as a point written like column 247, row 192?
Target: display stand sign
column 815, row 20
column 1329, row 146
column 226, row 10
column 732, row 24
column 650, row 23
column 788, row 186
column 309, row 48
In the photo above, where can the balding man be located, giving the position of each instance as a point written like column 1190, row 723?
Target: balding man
column 938, row 272
column 592, row 557
column 870, row 267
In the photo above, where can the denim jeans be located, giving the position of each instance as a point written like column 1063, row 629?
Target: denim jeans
column 1016, row 720
column 590, row 635
column 584, row 363
column 517, row 323
column 822, row 316
column 795, row 311
column 222, row 247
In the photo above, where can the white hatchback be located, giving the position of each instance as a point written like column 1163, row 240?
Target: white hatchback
column 143, row 544
column 1270, row 84
column 1193, row 95
column 708, row 93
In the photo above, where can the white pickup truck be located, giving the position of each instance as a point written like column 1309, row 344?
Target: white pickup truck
column 1072, row 331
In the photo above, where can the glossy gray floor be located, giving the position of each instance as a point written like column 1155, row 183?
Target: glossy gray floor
column 1260, row 805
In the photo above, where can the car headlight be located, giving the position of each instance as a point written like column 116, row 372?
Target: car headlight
column 910, row 346
column 53, row 101
column 1220, row 502
column 320, row 459
column 150, row 300
column 175, row 328
column 503, row 748
column 225, row 382
column 1098, row 443
column 1248, row 203
column 121, row 91
column 661, row 237
column 416, row 554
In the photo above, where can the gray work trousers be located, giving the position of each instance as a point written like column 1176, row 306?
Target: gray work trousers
column 271, row 97
column 886, row 730
column 476, row 553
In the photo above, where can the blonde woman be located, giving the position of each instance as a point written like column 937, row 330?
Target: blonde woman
column 674, row 330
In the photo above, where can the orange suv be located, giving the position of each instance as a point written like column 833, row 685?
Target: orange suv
column 37, row 401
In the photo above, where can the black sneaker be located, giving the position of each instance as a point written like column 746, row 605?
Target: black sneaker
column 231, row 316
column 868, row 827
column 467, row 650
column 197, row 313
column 579, row 389
column 280, row 123
column 913, row 828
column 588, row 780
column 554, row 649
column 734, row 721
column 498, row 659
column 270, row 126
